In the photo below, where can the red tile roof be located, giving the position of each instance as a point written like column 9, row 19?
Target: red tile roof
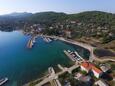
column 90, row 66
column 96, row 69
column 86, row 65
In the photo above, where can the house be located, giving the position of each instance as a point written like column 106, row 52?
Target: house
column 86, row 66
column 78, row 75
column 97, row 72
column 105, row 67
column 83, row 78
column 101, row 83
column 68, row 33
column 72, row 22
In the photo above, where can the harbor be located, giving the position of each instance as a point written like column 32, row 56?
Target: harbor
column 32, row 40
column 29, row 64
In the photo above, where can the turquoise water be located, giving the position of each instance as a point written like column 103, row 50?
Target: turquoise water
column 21, row 64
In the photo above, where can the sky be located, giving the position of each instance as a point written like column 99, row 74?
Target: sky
column 67, row 6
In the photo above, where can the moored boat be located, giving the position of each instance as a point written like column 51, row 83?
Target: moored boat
column 3, row 81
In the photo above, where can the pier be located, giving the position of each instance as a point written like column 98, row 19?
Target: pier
column 75, row 58
column 69, row 56
column 31, row 42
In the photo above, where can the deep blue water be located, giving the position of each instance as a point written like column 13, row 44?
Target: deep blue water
column 21, row 64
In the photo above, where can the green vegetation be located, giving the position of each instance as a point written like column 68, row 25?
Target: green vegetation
column 103, row 52
column 47, row 17
column 95, row 24
column 83, row 72
column 75, row 70
column 100, row 25
column 69, row 78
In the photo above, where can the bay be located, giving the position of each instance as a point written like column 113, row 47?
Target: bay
column 22, row 65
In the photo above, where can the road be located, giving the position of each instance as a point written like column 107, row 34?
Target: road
column 48, row 79
column 86, row 46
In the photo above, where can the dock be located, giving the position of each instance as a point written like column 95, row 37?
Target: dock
column 47, row 39
column 74, row 56
column 69, row 56
column 31, row 42
column 79, row 56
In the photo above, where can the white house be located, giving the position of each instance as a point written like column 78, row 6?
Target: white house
column 86, row 66
column 97, row 72
column 101, row 83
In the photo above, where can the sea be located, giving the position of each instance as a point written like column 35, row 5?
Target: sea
column 21, row 64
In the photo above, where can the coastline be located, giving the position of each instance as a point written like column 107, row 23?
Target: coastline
column 85, row 46
column 90, row 48
column 70, row 63
column 45, row 74
column 92, row 56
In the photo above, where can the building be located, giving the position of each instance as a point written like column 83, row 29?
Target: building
column 86, row 66
column 97, row 72
column 78, row 76
column 68, row 34
column 105, row 67
column 101, row 83
column 83, row 78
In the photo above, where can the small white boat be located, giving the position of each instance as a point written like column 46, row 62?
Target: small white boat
column 48, row 40
column 3, row 81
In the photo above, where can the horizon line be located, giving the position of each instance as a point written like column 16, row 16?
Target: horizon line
column 55, row 11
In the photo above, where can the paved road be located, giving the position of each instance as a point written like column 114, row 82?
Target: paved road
column 57, row 74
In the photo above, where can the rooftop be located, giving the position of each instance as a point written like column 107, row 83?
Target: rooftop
column 101, row 83
column 90, row 66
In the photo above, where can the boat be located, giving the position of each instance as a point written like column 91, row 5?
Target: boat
column 3, row 81
column 46, row 39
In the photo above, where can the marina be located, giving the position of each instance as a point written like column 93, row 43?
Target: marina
column 22, row 64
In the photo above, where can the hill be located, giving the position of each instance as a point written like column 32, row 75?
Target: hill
column 47, row 17
column 97, row 24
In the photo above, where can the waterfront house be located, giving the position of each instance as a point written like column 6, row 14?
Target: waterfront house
column 105, row 67
column 101, row 83
column 86, row 66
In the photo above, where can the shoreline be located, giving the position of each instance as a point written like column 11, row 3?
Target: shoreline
column 40, row 78
column 90, row 48
column 45, row 74
column 85, row 46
